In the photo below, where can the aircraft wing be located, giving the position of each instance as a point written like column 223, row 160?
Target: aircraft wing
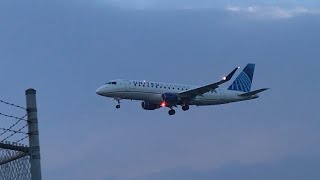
column 204, row 89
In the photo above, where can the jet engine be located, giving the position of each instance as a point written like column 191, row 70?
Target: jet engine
column 149, row 106
column 170, row 98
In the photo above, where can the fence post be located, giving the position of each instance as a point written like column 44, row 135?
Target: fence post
column 33, row 131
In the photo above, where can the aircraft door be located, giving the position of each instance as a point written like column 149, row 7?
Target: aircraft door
column 127, row 84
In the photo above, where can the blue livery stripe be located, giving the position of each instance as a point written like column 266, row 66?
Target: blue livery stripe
column 244, row 80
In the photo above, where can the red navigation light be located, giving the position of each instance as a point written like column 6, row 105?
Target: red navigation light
column 163, row 104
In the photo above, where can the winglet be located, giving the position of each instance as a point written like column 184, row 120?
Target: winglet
column 227, row 78
column 201, row 90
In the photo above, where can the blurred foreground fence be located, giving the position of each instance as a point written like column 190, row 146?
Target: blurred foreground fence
column 19, row 140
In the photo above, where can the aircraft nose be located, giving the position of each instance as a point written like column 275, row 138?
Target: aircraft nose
column 99, row 91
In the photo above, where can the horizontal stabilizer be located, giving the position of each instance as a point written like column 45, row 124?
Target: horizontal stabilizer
column 254, row 92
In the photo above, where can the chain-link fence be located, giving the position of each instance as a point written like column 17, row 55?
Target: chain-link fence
column 14, row 162
column 19, row 140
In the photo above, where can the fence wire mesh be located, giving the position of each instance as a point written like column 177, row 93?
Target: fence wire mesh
column 14, row 165
column 14, row 151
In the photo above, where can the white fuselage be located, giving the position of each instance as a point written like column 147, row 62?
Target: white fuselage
column 151, row 92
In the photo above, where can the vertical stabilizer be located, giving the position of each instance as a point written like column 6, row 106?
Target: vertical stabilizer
column 244, row 80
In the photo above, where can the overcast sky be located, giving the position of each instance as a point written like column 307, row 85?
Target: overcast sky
column 66, row 49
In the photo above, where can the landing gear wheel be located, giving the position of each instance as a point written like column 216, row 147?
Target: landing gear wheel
column 185, row 107
column 118, row 101
column 171, row 112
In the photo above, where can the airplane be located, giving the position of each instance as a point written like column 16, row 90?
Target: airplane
column 155, row 95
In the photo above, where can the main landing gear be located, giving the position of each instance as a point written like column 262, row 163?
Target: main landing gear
column 185, row 107
column 118, row 101
column 171, row 112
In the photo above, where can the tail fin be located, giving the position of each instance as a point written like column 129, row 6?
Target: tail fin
column 244, row 80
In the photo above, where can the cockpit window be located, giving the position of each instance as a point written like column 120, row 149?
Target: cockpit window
column 113, row 82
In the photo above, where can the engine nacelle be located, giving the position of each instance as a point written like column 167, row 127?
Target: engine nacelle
column 149, row 106
column 170, row 99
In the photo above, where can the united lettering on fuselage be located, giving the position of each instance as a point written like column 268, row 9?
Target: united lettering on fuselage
column 155, row 95
column 157, row 85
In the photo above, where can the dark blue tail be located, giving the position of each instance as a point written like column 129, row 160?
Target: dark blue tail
column 244, row 80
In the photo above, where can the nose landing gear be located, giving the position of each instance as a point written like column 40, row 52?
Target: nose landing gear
column 118, row 101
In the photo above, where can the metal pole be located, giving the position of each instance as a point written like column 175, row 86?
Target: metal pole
column 33, row 131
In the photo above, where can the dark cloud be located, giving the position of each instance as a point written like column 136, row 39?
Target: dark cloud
column 294, row 169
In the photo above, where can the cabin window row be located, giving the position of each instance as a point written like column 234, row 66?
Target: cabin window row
column 159, row 86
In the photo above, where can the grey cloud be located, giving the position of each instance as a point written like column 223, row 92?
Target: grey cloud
column 259, row 9
column 273, row 12
column 291, row 168
column 204, row 4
